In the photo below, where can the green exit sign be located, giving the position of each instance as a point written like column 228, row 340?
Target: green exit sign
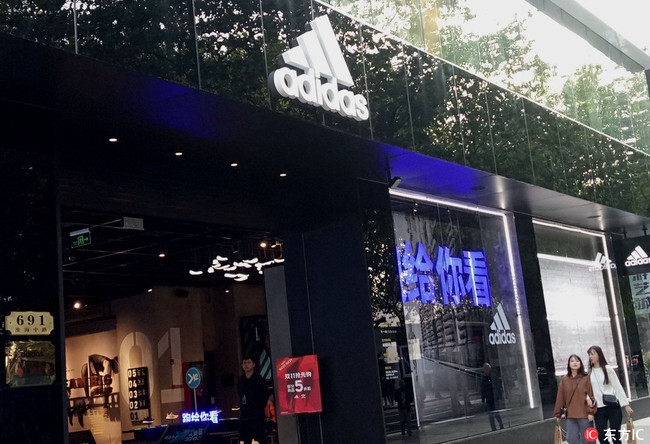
column 80, row 238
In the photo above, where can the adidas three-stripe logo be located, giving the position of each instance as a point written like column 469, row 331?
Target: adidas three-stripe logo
column 319, row 56
column 637, row 257
column 602, row 262
column 501, row 328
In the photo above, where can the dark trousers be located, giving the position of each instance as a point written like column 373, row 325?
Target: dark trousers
column 250, row 429
column 613, row 416
column 405, row 421
column 493, row 415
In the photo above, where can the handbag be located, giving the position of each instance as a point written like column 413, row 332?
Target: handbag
column 631, row 437
column 608, row 400
column 558, row 435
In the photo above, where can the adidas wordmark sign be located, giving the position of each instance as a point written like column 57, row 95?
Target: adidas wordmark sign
column 318, row 55
column 501, row 331
column 638, row 257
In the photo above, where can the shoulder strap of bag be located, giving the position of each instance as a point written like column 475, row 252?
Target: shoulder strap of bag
column 573, row 393
column 602, row 389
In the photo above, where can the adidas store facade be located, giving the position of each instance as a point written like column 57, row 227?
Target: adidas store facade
column 424, row 236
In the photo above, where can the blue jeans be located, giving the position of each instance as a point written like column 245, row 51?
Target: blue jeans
column 575, row 430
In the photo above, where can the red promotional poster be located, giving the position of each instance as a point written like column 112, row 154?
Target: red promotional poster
column 298, row 385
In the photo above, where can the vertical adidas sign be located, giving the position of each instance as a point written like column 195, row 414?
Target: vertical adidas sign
column 318, row 55
column 501, row 331
column 638, row 257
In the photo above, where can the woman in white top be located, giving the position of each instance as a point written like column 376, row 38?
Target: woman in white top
column 605, row 382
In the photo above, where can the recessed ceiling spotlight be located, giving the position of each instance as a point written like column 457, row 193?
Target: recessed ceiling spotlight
column 77, row 305
column 149, row 290
column 178, row 154
column 234, row 164
column 227, row 291
column 113, row 139
column 263, row 244
column 283, row 174
column 196, row 272
column 161, row 254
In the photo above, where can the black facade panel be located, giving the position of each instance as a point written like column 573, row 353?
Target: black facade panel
column 330, row 316
column 536, row 305
column 29, row 282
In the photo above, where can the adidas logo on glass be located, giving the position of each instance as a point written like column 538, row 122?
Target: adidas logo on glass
column 602, row 263
column 318, row 55
column 503, row 333
column 638, row 257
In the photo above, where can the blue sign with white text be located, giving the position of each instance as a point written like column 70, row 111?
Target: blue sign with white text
column 457, row 276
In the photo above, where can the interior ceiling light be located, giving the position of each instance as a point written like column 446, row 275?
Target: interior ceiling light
column 251, row 261
column 210, row 270
column 283, row 174
column 196, row 272
column 234, row 165
column 161, row 254
column 77, row 305
column 178, row 154
column 113, row 139
column 221, row 258
column 263, row 244
column 149, row 290
column 241, row 277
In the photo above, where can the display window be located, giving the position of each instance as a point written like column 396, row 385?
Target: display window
column 467, row 351
column 582, row 300
column 159, row 315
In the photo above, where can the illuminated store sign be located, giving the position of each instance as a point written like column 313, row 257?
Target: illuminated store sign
column 637, row 257
column 212, row 416
column 501, row 331
column 318, row 55
column 458, row 276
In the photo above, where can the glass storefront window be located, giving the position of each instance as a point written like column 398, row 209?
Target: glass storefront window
column 581, row 296
column 469, row 342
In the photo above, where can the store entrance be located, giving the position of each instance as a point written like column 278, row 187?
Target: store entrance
column 151, row 302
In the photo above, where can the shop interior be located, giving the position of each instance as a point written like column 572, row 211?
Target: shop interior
column 147, row 298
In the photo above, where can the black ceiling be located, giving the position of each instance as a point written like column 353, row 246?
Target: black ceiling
column 121, row 261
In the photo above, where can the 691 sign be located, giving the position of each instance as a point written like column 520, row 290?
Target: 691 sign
column 138, row 383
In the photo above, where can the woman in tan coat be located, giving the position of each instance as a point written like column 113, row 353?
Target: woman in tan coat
column 576, row 395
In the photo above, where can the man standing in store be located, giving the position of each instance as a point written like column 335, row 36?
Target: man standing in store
column 491, row 395
column 253, row 396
